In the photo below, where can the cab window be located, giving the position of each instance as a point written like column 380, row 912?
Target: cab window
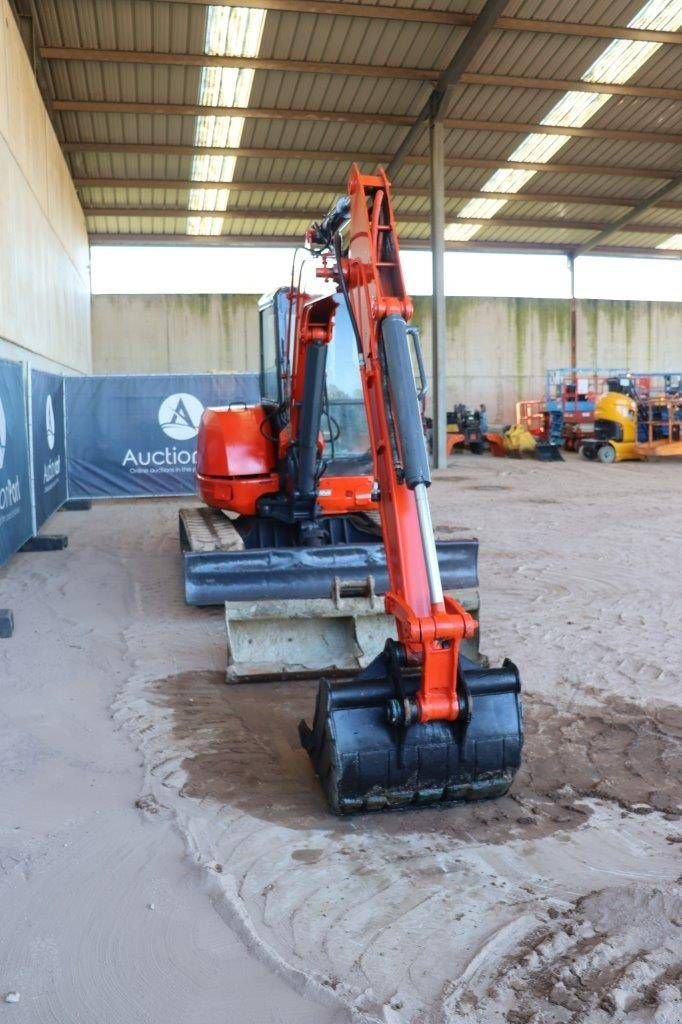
column 344, row 421
column 269, row 374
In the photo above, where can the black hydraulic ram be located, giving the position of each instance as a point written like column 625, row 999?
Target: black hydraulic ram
column 320, row 236
column 311, row 418
column 407, row 419
column 407, row 427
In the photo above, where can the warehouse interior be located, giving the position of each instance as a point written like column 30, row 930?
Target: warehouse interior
column 168, row 845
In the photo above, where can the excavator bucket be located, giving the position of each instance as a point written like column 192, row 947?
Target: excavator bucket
column 547, row 452
column 364, row 763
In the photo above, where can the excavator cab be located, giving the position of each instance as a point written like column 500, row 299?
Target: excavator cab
column 343, row 418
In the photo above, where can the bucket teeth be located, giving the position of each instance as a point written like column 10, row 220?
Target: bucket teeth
column 366, row 764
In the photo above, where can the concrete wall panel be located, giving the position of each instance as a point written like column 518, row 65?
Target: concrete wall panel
column 3, row 73
column 26, row 114
column 44, row 256
column 498, row 349
column 63, row 208
column 174, row 333
column 641, row 335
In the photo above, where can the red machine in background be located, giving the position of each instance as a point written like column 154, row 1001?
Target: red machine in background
column 422, row 722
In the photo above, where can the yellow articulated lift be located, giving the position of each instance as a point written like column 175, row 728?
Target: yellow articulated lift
column 632, row 427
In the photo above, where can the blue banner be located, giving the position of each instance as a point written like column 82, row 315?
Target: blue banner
column 134, row 436
column 48, row 443
column 16, row 510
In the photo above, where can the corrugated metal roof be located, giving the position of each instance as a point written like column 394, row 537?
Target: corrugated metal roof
column 289, row 144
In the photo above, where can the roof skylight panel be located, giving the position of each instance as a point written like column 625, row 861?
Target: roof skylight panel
column 674, row 242
column 616, row 65
column 234, row 32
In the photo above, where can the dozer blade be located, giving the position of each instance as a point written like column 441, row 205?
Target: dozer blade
column 217, row 567
column 270, row 640
column 335, row 637
column 366, row 764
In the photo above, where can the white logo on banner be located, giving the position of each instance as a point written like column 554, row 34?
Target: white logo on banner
column 51, row 469
column 3, row 435
column 179, row 416
column 49, row 422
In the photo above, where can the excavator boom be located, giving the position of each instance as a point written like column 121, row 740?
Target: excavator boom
column 290, row 542
column 421, row 722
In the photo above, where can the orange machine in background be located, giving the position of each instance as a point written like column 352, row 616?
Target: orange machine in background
column 531, row 414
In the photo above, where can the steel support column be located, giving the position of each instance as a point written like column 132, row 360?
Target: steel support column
column 438, row 334
column 574, row 317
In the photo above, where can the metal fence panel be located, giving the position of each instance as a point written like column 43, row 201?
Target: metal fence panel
column 48, row 441
column 16, row 508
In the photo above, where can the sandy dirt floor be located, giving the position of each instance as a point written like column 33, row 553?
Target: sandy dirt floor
column 558, row 903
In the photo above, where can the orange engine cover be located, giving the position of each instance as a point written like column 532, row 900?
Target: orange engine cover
column 234, row 442
column 236, row 460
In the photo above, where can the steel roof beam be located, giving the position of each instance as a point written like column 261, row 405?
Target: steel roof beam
column 419, row 244
column 249, row 213
column 435, row 107
column 302, row 214
column 199, row 110
column 625, row 220
column 360, row 118
column 333, row 187
column 567, row 85
column 199, row 60
column 361, row 70
column 338, row 9
column 373, row 158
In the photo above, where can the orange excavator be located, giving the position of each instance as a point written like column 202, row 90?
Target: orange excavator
column 421, row 722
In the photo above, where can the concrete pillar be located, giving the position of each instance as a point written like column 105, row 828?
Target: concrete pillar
column 439, row 356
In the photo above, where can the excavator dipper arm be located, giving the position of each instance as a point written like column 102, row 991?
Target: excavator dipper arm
column 421, row 723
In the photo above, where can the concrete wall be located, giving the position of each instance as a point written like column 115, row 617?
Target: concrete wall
column 174, row 333
column 498, row 349
column 44, row 256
